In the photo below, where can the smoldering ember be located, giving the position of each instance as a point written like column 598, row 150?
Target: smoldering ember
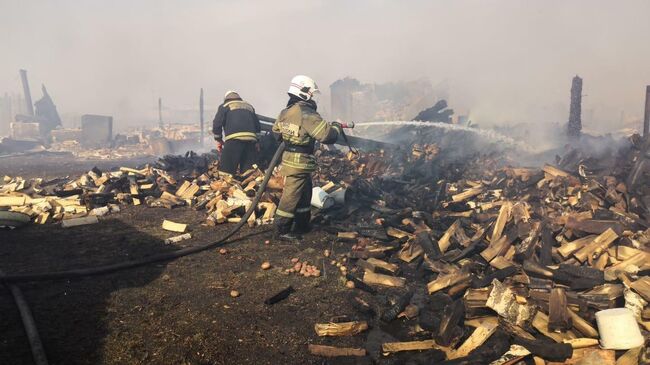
column 386, row 226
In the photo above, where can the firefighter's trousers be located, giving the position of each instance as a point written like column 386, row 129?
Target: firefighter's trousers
column 295, row 203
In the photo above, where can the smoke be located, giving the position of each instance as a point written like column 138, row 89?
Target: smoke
column 504, row 62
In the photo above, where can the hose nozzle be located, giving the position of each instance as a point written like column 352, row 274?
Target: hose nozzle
column 348, row 125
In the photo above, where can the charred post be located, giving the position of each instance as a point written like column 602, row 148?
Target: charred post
column 27, row 92
column 160, row 120
column 575, row 122
column 646, row 117
column 201, row 117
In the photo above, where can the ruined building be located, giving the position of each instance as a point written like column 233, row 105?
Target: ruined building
column 353, row 100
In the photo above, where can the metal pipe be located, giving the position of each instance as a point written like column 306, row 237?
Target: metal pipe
column 646, row 118
column 27, row 93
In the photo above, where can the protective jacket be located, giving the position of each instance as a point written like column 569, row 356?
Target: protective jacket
column 237, row 120
column 300, row 126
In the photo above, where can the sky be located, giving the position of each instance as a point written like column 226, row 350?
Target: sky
column 504, row 61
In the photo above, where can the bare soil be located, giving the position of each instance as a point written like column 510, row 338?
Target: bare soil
column 177, row 312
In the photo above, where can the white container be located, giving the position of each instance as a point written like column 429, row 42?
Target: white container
column 339, row 196
column 618, row 329
column 320, row 199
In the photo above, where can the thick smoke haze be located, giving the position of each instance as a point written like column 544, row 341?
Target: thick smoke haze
column 503, row 61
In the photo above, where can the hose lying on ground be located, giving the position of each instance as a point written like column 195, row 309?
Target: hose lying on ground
column 68, row 274
column 38, row 353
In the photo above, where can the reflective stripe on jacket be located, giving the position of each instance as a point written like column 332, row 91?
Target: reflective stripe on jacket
column 301, row 126
column 237, row 120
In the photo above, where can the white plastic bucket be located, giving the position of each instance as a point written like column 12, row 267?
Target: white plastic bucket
column 618, row 329
column 320, row 199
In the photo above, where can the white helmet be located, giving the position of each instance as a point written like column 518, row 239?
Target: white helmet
column 303, row 87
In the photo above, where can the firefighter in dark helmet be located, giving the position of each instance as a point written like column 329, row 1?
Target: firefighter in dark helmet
column 299, row 126
column 236, row 129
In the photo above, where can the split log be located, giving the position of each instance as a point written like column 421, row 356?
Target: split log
column 502, row 219
column 484, row 330
column 331, row 351
column 391, row 347
column 445, row 240
column 502, row 300
column 447, row 280
column 558, row 317
column 546, row 350
column 385, row 280
column 74, row 222
column 340, row 329
column 466, row 194
column 578, row 343
column 449, row 329
column 597, row 246
column 173, row 226
column 540, row 323
column 545, row 249
column 581, row 325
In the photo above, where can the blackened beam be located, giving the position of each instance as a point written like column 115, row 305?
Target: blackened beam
column 356, row 142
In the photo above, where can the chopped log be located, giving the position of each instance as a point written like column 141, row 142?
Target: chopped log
column 554, row 171
column 445, row 240
column 547, row 243
column 360, row 284
column 558, row 317
column 331, row 351
column 502, row 219
column 540, row 323
column 9, row 201
column 74, row 222
column 447, row 280
column 642, row 286
column 410, row 251
column 546, row 349
column 430, row 248
column 173, row 226
column 401, row 303
column 385, row 280
column 630, row 357
column 466, row 194
column 391, row 347
column 340, row 329
column 582, row 326
column 449, row 329
column 578, row 343
column 502, row 300
column 594, row 226
column 570, row 247
column 347, row 235
column 499, row 247
column 484, row 330
column 376, row 265
column 597, row 246
column 527, row 247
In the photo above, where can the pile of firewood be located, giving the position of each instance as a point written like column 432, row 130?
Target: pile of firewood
column 501, row 265
column 173, row 181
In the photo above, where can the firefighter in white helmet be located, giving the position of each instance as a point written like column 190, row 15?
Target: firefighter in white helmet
column 299, row 125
